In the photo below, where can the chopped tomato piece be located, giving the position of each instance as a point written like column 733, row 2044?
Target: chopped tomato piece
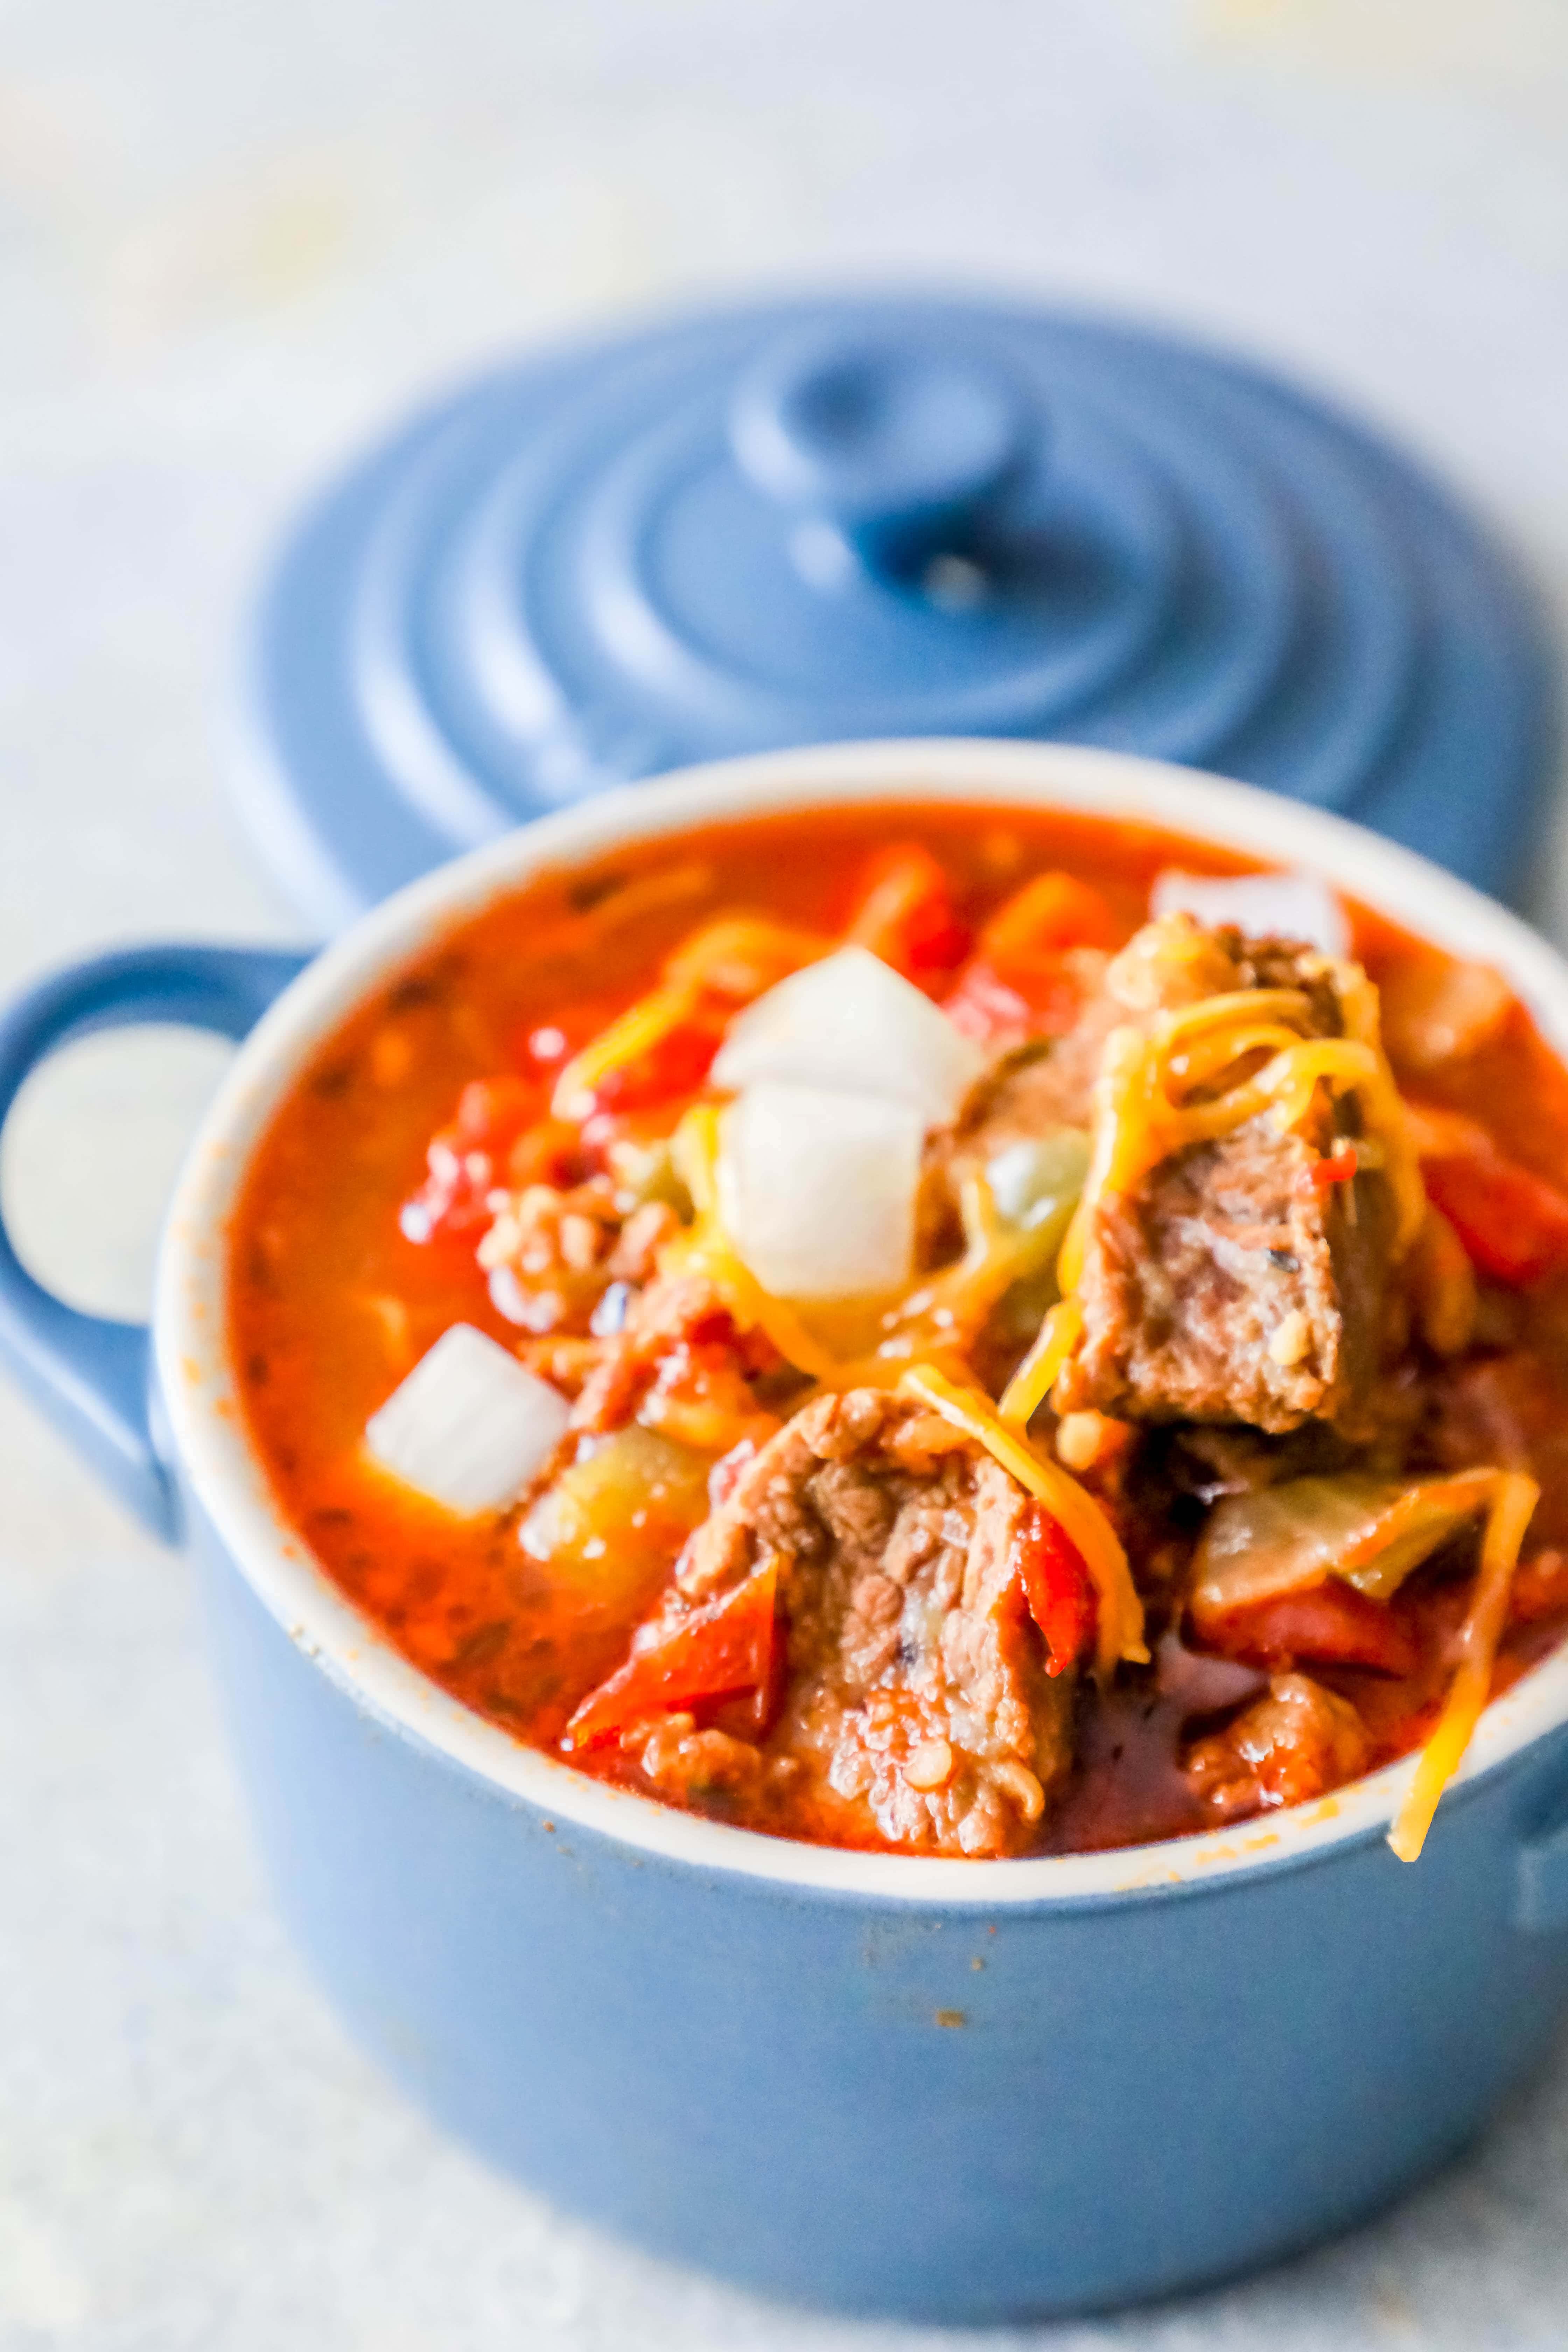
column 492, row 1111
column 1047, row 916
column 465, row 1161
column 1513, row 1225
column 724, row 1650
column 1049, row 1569
column 904, row 913
column 1021, row 982
column 1331, row 1625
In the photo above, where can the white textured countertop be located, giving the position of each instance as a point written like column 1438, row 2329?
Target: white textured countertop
column 232, row 239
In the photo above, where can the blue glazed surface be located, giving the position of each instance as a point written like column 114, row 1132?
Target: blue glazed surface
column 851, row 518
column 90, row 1375
column 1145, row 2091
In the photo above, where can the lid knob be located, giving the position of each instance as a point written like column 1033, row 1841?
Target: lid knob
column 897, row 447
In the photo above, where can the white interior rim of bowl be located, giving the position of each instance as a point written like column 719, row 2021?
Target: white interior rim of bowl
column 225, row 1474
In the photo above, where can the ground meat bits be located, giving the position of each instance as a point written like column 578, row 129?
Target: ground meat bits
column 919, row 1709
column 552, row 1254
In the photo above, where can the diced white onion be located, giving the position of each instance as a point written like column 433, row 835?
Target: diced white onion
column 469, row 1426
column 1264, row 906
column 1371, row 1532
column 855, row 1026
column 816, row 1189
column 1038, row 1177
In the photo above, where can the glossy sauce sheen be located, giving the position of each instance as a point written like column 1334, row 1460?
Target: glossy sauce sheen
column 331, row 1306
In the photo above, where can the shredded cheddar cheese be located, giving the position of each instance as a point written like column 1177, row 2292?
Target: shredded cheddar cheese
column 753, row 1307
column 953, row 1305
column 1121, row 1614
column 633, row 1031
column 706, row 1247
column 1035, row 1376
column 1514, row 1498
column 1378, row 1564
column 694, row 1149
column 1388, row 1118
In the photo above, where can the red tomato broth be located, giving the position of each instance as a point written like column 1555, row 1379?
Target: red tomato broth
column 331, row 1303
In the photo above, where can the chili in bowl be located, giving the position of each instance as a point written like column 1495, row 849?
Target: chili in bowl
column 867, row 1424
column 850, row 1323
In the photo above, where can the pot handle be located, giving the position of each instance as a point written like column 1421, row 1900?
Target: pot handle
column 90, row 1375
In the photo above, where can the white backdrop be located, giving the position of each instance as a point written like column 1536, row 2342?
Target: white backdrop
column 233, row 237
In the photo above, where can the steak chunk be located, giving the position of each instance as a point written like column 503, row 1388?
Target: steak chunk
column 917, row 1707
column 1232, row 1283
column 1231, row 1287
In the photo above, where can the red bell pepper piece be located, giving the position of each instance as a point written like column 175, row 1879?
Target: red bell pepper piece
column 1047, row 916
column 724, row 1650
column 1513, row 1225
column 1021, row 982
column 904, row 913
column 1050, row 1570
column 1331, row 1625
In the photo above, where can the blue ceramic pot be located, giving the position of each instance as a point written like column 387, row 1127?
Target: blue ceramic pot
column 950, row 2090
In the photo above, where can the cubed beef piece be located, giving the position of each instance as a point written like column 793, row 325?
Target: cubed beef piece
column 1295, row 1744
column 1230, row 1285
column 916, row 1705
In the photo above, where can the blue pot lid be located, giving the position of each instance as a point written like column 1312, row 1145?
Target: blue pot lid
column 851, row 518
